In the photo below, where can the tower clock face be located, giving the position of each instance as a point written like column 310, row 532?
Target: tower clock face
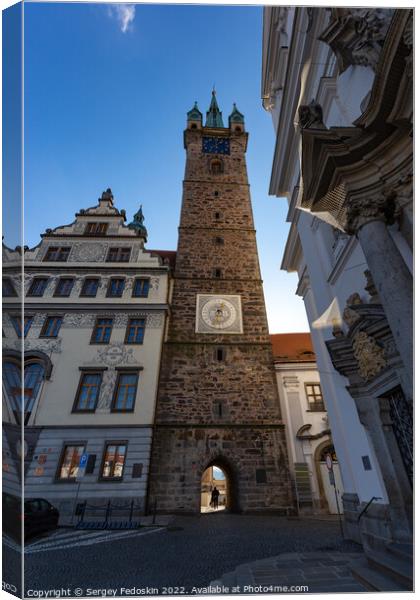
column 215, row 145
column 218, row 314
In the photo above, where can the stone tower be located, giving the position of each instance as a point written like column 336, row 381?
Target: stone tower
column 217, row 402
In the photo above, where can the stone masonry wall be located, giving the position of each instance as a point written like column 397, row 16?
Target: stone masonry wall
column 210, row 410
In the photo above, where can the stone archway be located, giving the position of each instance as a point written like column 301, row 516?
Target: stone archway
column 227, row 486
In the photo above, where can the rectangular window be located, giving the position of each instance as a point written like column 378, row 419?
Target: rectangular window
column 113, row 461
column 88, row 392
column 314, row 396
column 96, row 228
column 17, row 324
column 38, row 286
column 51, row 326
column 102, row 331
column 141, row 288
column 115, row 288
column 57, row 254
column 64, row 287
column 135, row 331
column 90, row 287
column 8, row 288
column 125, row 392
column 118, row 255
column 69, row 463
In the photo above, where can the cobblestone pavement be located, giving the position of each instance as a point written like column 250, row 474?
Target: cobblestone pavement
column 190, row 553
column 311, row 572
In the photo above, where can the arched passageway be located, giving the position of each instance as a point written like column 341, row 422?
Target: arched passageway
column 218, row 475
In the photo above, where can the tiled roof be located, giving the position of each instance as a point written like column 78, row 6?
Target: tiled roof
column 292, row 347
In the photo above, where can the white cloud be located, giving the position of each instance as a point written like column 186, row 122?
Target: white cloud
column 124, row 13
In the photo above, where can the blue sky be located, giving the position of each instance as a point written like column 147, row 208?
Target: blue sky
column 107, row 89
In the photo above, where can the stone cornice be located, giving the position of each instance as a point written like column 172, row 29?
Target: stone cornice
column 292, row 251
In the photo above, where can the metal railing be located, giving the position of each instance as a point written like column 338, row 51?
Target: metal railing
column 108, row 511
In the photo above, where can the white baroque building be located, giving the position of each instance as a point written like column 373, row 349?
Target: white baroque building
column 95, row 306
column 308, row 431
column 338, row 85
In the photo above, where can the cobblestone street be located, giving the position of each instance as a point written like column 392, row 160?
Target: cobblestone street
column 191, row 552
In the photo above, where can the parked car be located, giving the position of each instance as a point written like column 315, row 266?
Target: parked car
column 39, row 516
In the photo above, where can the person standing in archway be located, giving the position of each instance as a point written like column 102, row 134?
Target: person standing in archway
column 215, row 498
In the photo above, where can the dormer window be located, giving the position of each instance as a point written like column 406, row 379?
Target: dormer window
column 96, row 228
column 57, row 253
column 118, row 255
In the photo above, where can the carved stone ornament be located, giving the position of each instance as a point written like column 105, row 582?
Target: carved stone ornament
column 107, row 389
column 357, row 35
column 350, row 316
column 310, row 116
column 116, row 353
column 88, row 252
column 369, row 355
column 376, row 208
column 370, row 288
column 42, row 345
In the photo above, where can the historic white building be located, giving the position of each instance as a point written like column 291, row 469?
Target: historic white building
column 308, row 432
column 338, row 85
column 95, row 305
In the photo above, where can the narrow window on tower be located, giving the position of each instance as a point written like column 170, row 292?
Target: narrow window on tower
column 220, row 354
column 216, row 166
column 217, row 216
column 218, row 273
column 216, row 193
column 219, row 241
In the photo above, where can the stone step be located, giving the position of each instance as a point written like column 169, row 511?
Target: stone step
column 372, row 579
column 392, row 566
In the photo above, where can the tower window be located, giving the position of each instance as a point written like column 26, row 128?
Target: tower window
column 218, row 273
column 238, row 129
column 216, row 193
column 217, row 215
column 193, row 126
column 219, row 241
column 220, row 354
column 216, row 167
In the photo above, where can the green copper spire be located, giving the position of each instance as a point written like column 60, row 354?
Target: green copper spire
column 194, row 114
column 236, row 116
column 213, row 115
column 137, row 224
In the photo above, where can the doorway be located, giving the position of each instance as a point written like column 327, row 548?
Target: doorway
column 333, row 500
column 213, row 478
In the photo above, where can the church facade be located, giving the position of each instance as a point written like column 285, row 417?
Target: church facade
column 341, row 100
column 217, row 402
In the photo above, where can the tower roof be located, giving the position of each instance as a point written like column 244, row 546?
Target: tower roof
column 194, row 114
column 214, row 115
column 236, row 116
column 137, row 224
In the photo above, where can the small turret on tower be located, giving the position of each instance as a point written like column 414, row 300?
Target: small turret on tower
column 137, row 224
column 194, row 118
column 236, row 120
